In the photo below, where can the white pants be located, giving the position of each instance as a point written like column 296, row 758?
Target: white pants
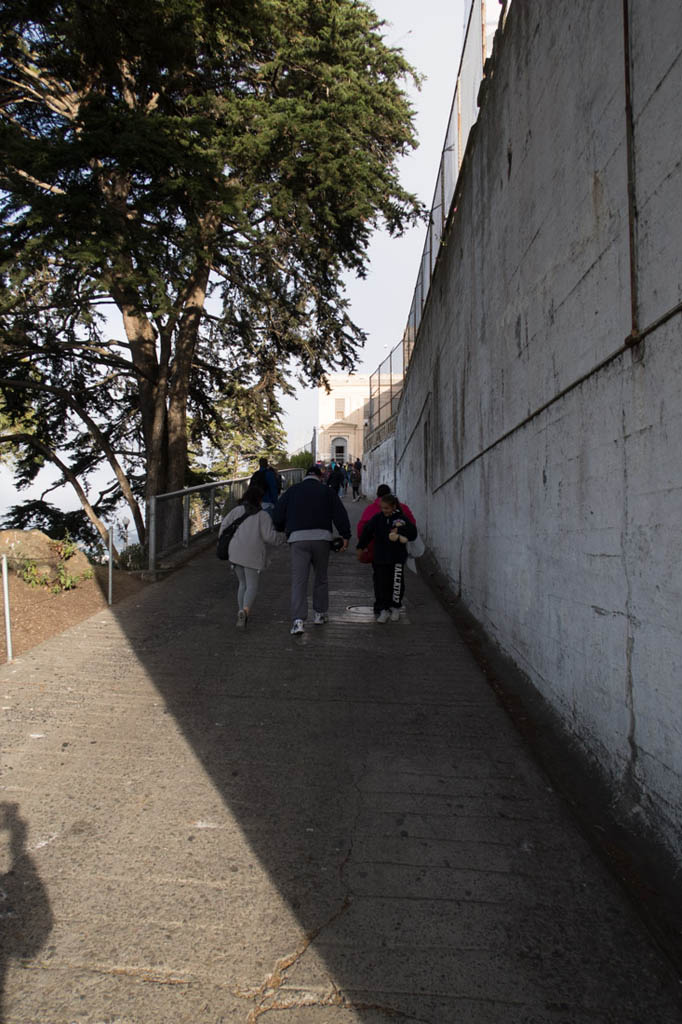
column 248, row 585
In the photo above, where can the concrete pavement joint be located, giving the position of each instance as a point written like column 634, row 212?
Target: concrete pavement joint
column 338, row 999
column 138, row 973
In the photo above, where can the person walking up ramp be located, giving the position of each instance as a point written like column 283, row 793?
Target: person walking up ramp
column 307, row 512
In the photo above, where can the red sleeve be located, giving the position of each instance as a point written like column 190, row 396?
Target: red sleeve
column 366, row 516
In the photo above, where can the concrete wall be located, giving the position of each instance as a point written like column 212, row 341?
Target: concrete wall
column 540, row 452
column 379, row 466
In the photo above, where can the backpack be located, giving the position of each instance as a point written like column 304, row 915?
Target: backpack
column 223, row 549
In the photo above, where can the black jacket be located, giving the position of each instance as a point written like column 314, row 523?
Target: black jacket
column 309, row 505
column 388, row 552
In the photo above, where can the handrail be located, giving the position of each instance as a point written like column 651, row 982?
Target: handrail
column 208, row 512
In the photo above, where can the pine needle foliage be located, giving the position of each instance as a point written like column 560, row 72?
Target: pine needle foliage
column 208, row 172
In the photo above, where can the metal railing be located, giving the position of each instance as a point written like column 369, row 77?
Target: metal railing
column 201, row 508
column 484, row 17
column 385, row 388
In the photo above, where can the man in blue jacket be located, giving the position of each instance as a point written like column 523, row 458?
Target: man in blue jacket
column 266, row 478
column 307, row 511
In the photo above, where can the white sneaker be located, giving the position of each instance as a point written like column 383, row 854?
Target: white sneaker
column 320, row 618
column 297, row 627
column 241, row 619
column 384, row 615
column 395, row 614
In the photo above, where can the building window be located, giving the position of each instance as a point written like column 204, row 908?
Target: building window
column 340, row 408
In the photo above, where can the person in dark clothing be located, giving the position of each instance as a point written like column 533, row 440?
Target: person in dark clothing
column 390, row 530
column 307, row 512
column 268, row 481
column 336, row 478
column 355, row 481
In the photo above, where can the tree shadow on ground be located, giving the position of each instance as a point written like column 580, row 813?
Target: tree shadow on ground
column 342, row 825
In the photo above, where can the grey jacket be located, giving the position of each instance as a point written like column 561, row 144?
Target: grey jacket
column 248, row 547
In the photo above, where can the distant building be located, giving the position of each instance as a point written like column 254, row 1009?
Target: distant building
column 342, row 417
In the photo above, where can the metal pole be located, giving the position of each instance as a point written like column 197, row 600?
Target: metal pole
column 211, row 516
column 185, row 521
column 151, row 530
column 111, row 563
column 5, row 594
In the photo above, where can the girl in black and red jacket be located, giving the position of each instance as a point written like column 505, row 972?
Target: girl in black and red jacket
column 390, row 530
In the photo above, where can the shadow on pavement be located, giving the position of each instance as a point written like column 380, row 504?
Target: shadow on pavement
column 341, row 827
column 25, row 915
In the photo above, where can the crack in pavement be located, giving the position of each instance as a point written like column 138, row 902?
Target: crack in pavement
column 267, row 993
column 338, row 999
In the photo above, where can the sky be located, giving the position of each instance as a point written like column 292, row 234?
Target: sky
column 430, row 33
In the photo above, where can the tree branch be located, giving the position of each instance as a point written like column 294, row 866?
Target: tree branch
column 39, row 184
column 68, row 474
column 97, row 436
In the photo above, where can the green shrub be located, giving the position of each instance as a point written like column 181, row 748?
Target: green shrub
column 28, row 572
column 133, row 557
column 62, row 579
column 64, row 548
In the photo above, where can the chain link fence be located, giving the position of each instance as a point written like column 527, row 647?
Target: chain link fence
column 386, row 382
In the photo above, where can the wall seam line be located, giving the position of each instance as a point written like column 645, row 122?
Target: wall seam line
column 630, row 342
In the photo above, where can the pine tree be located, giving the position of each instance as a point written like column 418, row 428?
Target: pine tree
column 209, row 172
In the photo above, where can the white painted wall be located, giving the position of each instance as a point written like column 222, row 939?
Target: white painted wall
column 379, row 467
column 353, row 391
column 551, row 491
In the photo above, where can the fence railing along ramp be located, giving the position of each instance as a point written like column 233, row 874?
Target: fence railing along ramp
column 199, row 509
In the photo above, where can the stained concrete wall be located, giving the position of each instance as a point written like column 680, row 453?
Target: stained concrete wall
column 379, row 466
column 542, row 454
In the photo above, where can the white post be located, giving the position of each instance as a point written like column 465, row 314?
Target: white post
column 111, row 563
column 5, row 594
column 151, row 533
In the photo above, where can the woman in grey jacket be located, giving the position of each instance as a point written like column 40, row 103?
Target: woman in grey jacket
column 248, row 548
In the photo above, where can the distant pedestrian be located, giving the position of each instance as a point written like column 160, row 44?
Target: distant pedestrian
column 269, row 483
column 355, row 478
column 248, row 549
column 336, row 478
column 307, row 512
column 390, row 530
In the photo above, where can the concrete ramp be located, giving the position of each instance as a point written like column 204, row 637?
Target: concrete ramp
column 208, row 825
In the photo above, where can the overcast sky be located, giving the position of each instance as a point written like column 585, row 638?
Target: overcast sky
column 430, row 33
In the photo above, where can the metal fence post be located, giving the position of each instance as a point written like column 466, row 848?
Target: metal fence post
column 111, row 565
column 5, row 593
column 211, row 513
column 151, row 530
column 185, row 521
